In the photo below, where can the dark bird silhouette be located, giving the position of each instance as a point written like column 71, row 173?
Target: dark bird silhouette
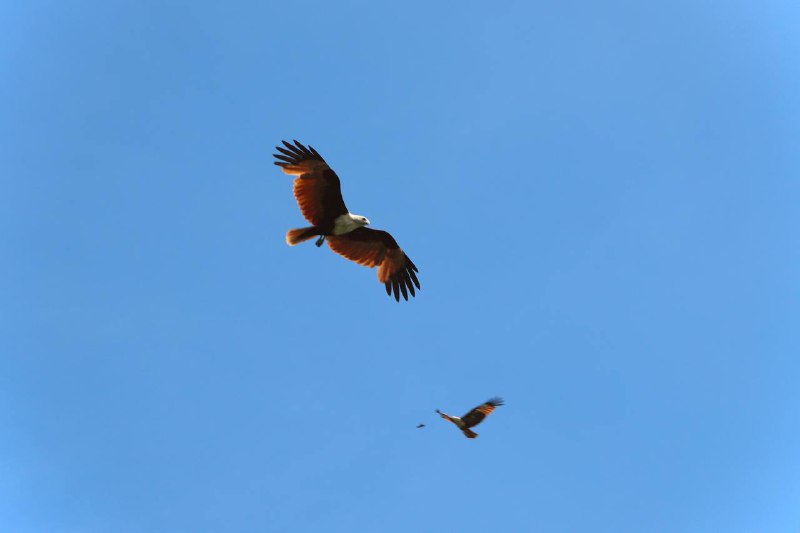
column 474, row 417
column 319, row 195
column 420, row 426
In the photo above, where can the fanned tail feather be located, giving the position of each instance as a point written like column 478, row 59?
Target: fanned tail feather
column 469, row 433
column 296, row 236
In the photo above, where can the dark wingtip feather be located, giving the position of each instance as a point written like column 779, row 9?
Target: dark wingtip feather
column 410, row 287
column 303, row 148
column 283, row 158
column 403, row 289
column 292, row 147
column 496, row 401
column 402, row 283
column 298, row 152
column 407, row 282
column 414, row 278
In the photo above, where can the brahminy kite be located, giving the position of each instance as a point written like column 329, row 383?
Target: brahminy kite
column 319, row 195
column 474, row 417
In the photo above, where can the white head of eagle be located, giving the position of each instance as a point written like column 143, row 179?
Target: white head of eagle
column 348, row 222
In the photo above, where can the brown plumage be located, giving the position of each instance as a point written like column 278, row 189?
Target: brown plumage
column 474, row 417
column 373, row 248
column 318, row 193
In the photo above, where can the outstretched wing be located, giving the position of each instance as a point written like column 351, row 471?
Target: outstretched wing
column 375, row 248
column 476, row 416
column 317, row 188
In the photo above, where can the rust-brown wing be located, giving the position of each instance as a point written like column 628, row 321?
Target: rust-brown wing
column 476, row 416
column 375, row 248
column 317, row 187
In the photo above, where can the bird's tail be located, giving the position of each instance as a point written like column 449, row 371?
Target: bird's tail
column 296, row 236
column 469, row 433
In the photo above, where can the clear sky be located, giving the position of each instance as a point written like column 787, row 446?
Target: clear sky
column 601, row 197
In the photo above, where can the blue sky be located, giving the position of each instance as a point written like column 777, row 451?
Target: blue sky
column 601, row 198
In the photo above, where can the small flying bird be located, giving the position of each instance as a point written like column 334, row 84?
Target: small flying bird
column 474, row 417
column 319, row 195
column 420, row 426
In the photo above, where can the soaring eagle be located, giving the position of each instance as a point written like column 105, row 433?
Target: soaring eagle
column 474, row 417
column 319, row 196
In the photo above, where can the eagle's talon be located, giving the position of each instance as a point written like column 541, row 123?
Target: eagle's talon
column 320, row 241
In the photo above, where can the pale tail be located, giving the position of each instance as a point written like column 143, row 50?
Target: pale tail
column 296, row 236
